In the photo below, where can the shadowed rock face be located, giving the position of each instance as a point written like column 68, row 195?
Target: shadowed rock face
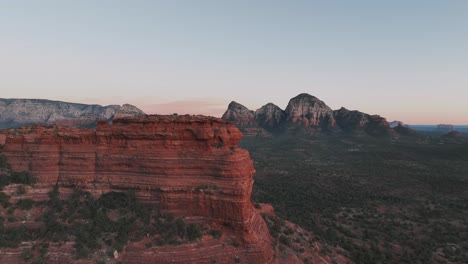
column 239, row 114
column 358, row 122
column 308, row 111
column 404, row 130
column 189, row 165
column 270, row 117
column 18, row 112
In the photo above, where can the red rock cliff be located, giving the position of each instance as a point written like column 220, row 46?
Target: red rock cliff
column 189, row 165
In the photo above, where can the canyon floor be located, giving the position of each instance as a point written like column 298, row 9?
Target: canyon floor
column 383, row 200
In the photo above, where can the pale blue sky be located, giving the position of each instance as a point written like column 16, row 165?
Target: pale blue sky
column 405, row 60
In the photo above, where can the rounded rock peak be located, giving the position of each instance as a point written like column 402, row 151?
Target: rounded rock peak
column 305, row 100
column 304, row 95
column 128, row 110
column 236, row 105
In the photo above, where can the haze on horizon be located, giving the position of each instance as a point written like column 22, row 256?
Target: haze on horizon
column 404, row 60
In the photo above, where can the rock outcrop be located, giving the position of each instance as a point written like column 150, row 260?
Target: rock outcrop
column 404, row 130
column 308, row 111
column 239, row 115
column 270, row 117
column 358, row 122
column 189, row 165
column 395, row 123
column 18, row 112
column 453, row 137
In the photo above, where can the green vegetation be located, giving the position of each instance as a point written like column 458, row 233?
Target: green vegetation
column 8, row 177
column 215, row 233
column 25, row 204
column 97, row 225
column 4, row 165
column 383, row 201
column 4, row 200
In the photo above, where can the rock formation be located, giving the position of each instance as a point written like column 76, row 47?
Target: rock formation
column 395, row 123
column 308, row 111
column 453, row 137
column 404, row 130
column 239, row 115
column 270, row 117
column 358, row 122
column 189, row 165
column 18, row 112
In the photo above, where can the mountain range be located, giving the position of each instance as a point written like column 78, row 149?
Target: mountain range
column 310, row 113
column 19, row 112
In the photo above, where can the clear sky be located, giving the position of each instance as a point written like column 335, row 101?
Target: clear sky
column 402, row 59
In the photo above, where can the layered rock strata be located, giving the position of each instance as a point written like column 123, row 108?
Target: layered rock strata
column 189, row 165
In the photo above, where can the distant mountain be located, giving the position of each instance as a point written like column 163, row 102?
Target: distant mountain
column 453, row 137
column 308, row 112
column 239, row 115
column 395, row 123
column 270, row 117
column 444, row 127
column 18, row 112
column 359, row 122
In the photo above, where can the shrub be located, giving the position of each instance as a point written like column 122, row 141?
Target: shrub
column 114, row 200
column 218, row 145
column 4, row 180
column 26, row 254
column 4, row 163
column 22, row 177
column 285, row 240
column 215, row 233
column 4, row 200
column 20, row 190
column 193, row 232
column 25, row 204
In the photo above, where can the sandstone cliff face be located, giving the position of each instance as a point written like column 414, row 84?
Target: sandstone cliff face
column 307, row 110
column 270, row 117
column 189, row 165
column 239, row 115
column 17, row 112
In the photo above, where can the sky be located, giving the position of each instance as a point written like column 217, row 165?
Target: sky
column 404, row 60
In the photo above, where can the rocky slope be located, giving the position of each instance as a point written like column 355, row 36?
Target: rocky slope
column 309, row 112
column 270, row 117
column 189, row 166
column 18, row 112
column 239, row 114
column 395, row 123
column 358, row 122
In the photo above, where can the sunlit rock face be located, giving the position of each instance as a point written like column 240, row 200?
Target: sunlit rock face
column 18, row 112
column 190, row 166
column 309, row 111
